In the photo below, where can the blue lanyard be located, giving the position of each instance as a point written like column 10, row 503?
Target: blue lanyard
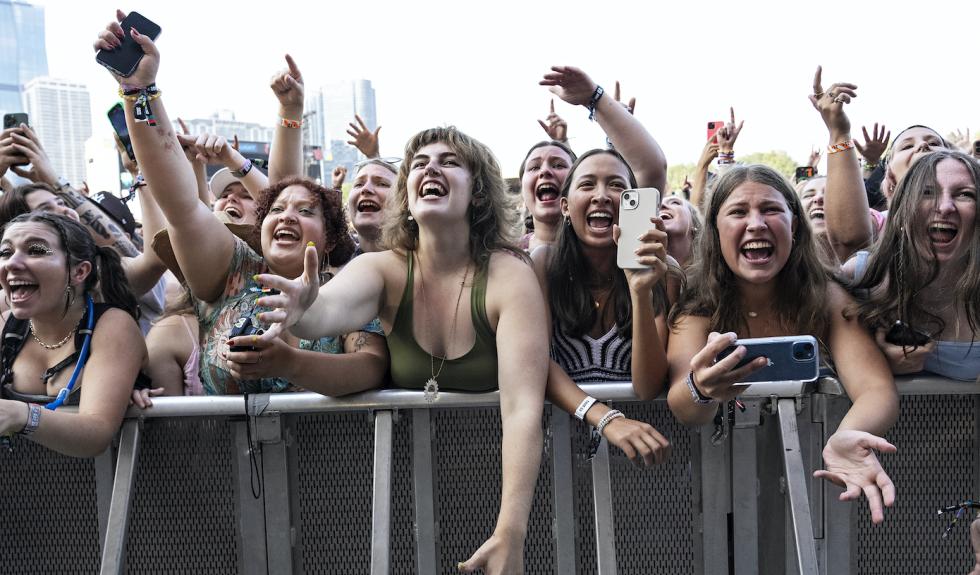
column 82, row 356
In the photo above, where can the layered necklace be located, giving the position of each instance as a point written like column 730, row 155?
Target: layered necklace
column 432, row 385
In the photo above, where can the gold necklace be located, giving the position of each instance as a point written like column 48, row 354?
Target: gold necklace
column 432, row 385
column 30, row 322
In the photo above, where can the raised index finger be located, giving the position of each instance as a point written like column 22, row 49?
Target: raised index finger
column 293, row 68
column 732, row 110
column 616, row 92
column 552, row 105
column 817, row 88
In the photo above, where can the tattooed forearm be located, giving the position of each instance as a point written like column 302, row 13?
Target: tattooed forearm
column 357, row 340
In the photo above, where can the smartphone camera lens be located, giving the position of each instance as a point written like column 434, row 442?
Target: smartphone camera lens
column 711, row 125
column 633, row 203
column 803, row 351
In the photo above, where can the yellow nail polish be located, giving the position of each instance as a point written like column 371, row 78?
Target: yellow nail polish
column 255, row 277
column 310, row 244
column 460, row 566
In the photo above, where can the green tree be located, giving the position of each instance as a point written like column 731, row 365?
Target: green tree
column 777, row 160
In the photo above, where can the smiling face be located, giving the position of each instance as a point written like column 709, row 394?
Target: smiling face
column 593, row 198
column 755, row 231
column 368, row 194
column 908, row 147
column 676, row 215
column 237, row 204
column 545, row 170
column 295, row 218
column 949, row 210
column 812, row 196
column 33, row 270
column 45, row 201
column 440, row 187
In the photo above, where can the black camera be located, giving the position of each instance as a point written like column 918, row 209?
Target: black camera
column 244, row 327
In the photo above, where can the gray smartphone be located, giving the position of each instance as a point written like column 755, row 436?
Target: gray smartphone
column 636, row 207
column 791, row 358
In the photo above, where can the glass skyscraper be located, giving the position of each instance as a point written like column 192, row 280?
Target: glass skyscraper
column 22, row 51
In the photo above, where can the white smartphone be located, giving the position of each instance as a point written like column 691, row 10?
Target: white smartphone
column 636, row 207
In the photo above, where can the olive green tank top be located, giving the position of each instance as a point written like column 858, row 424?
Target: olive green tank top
column 412, row 366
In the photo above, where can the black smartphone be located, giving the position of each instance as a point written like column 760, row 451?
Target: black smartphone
column 124, row 59
column 804, row 173
column 976, row 148
column 790, row 358
column 117, row 117
column 905, row 335
column 14, row 120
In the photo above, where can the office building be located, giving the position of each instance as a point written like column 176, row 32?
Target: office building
column 223, row 123
column 60, row 113
column 22, row 52
column 329, row 110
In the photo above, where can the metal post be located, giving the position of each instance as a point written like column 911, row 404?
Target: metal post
column 605, row 532
column 381, row 498
column 745, row 495
column 425, row 517
column 715, row 503
column 251, row 510
column 564, row 491
column 114, row 549
column 105, row 475
column 275, row 493
column 836, row 548
column 796, row 481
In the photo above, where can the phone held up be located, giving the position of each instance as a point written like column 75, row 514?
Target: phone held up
column 636, row 207
column 790, row 358
column 714, row 126
column 117, row 117
column 124, row 59
column 804, row 173
column 14, row 120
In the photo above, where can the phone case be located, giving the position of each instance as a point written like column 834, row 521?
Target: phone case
column 634, row 221
column 791, row 358
column 117, row 118
column 14, row 120
column 123, row 60
column 714, row 126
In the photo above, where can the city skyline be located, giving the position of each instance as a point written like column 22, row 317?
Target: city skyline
column 23, row 53
column 61, row 116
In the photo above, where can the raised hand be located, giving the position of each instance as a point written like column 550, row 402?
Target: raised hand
column 851, row 463
column 187, row 142
column 213, row 149
column 554, row 125
column 338, row 176
column 364, row 139
column 830, row 104
column 814, row 159
column 24, row 142
column 111, row 38
column 288, row 87
column 570, row 84
column 960, row 140
column 630, row 106
column 875, row 145
column 728, row 134
column 709, row 152
column 717, row 379
column 652, row 253
column 294, row 298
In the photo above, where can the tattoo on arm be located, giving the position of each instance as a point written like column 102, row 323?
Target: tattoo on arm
column 360, row 340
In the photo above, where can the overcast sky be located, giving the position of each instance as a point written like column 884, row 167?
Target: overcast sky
column 477, row 64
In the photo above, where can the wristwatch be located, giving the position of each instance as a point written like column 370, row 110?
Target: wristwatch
column 698, row 397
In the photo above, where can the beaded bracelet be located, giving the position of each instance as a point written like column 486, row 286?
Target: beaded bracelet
column 607, row 419
column 294, row 124
column 841, row 147
column 142, row 98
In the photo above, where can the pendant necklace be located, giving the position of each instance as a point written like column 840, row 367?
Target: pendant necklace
column 432, row 385
column 50, row 346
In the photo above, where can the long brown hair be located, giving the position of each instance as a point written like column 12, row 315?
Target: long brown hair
column 572, row 306
column 491, row 214
column 712, row 289
column 902, row 264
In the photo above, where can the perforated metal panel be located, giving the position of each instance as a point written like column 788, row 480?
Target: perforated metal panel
column 332, row 490
column 183, row 517
column 402, row 499
column 466, row 457
column 49, row 519
column 653, row 507
column 936, row 465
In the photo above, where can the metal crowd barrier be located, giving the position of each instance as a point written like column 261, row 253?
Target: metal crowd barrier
column 384, row 482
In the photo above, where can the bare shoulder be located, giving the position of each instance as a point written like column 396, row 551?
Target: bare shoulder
column 510, row 270
column 119, row 328
column 838, row 300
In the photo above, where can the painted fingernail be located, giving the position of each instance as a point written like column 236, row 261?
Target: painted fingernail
column 310, row 244
column 255, row 277
column 460, row 566
column 260, row 317
column 255, row 339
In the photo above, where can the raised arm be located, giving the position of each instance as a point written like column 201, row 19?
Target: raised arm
column 626, row 133
column 845, row 202
column 700, row 184
column 144, row 270
column 342, row 305
column 213, row 149
column 286, row 155
column 192, row 225
column 364, row 140
column 554, row 125
column 200, row 168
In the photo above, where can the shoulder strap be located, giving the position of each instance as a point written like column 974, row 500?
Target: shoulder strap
column 14, row 334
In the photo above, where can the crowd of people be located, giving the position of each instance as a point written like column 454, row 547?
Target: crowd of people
column 877, row 260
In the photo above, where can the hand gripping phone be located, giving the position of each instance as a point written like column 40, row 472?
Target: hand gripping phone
column 636, row 207
column 790, row 358
column 714, row 126
column 124, row 59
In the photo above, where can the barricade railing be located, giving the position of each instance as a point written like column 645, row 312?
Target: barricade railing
column 730, row 517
